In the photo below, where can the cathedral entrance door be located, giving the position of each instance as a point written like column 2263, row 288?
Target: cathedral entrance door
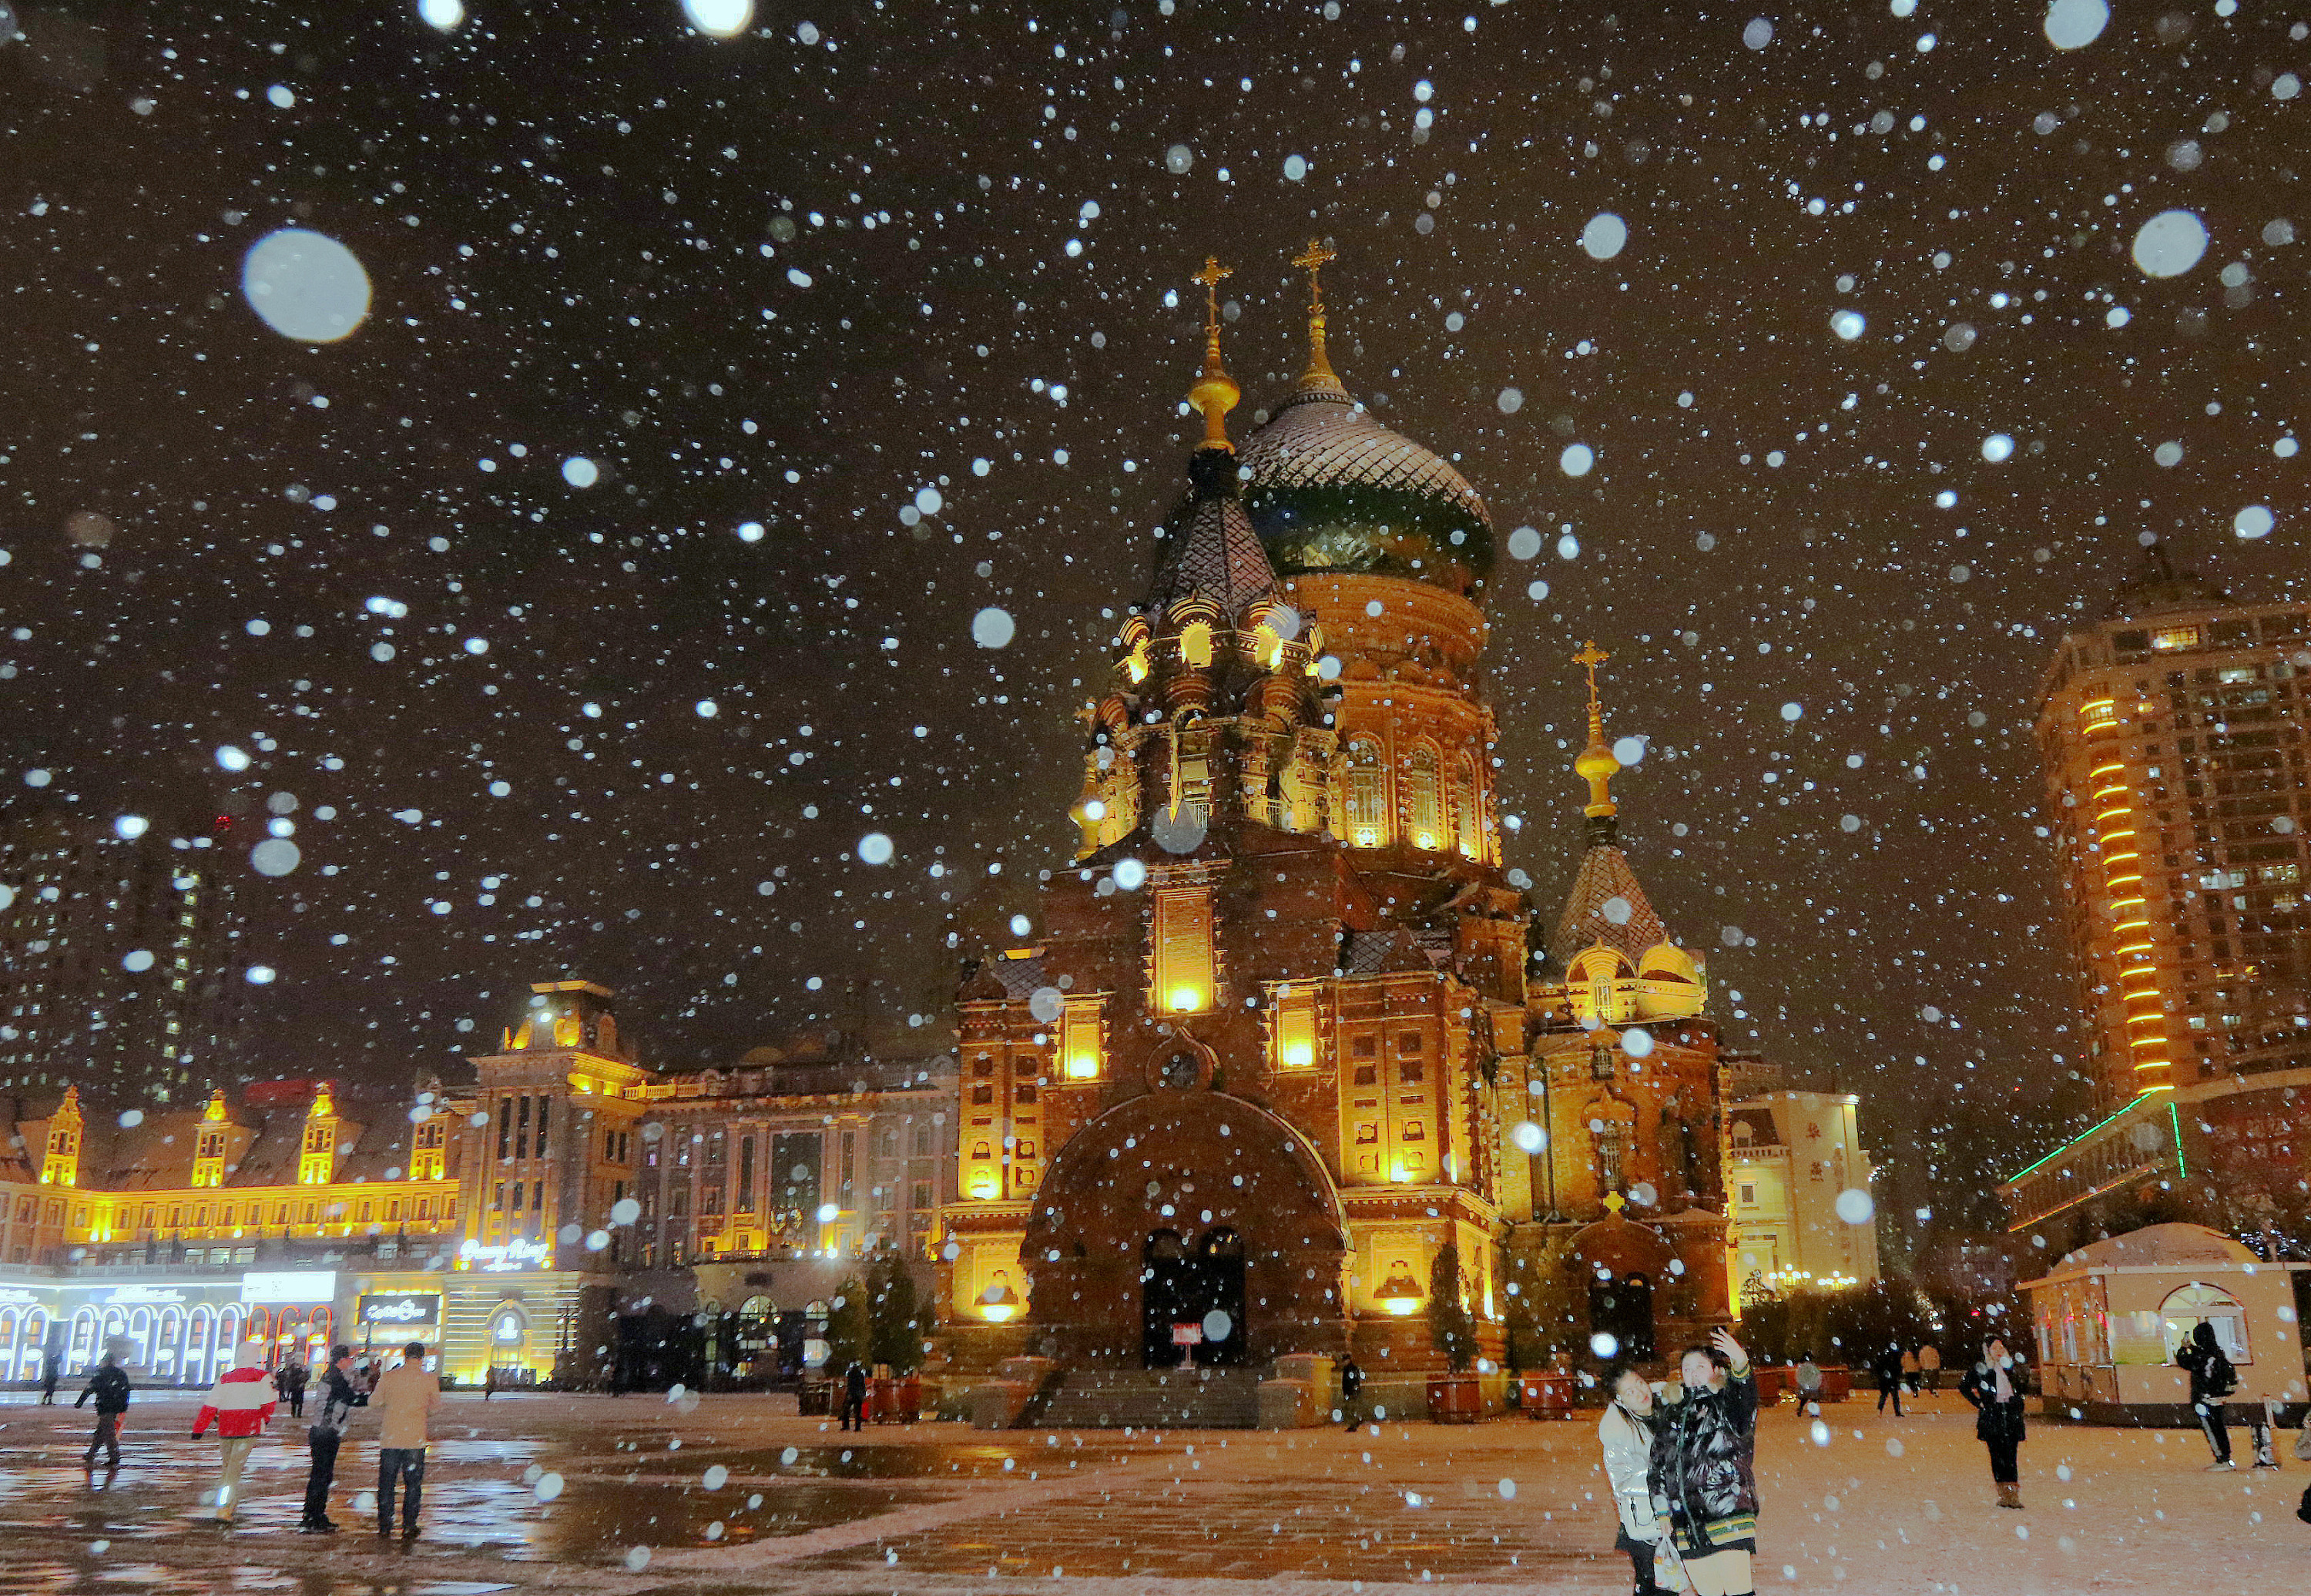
column 1167, row 1287
column 1184, row 1283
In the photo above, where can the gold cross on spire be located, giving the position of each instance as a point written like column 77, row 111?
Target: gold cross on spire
column 1591, row 657
column 1596, row 764
column 1213, row 274
column 1313, row 260
column 1215, row 392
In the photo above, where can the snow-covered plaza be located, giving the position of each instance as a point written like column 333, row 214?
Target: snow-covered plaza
column 731, row 1493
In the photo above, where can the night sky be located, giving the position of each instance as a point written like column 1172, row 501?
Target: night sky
column 792, row 279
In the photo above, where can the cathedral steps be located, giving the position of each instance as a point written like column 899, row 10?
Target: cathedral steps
column 1148, row 1399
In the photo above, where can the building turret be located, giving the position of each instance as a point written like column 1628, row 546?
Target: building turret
column 1215, row 713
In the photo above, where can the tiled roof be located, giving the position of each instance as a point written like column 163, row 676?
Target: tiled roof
column 1392, row 951
column 1607, row 906
column 1021, row 978
column 1211, row 549
column 1320, row 439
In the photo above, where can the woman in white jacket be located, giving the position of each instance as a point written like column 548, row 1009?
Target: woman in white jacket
column 1626, row 1435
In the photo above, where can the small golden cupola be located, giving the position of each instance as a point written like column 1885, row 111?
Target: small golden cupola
column 1215, row 392
column 1595, row 763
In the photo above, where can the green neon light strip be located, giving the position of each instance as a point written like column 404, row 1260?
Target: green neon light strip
column 2067, row 1146
column 2175, row 1119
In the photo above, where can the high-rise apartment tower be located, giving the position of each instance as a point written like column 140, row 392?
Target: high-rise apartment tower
column 2172, row 739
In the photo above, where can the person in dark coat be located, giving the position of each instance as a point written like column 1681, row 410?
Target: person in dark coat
column 1352, row 1385
column 52, row 1369
column 1993, row 1388
column 110, row 1386
column 2212, row 1380
column 1888, row 1367
column 339, row 1397
column 1703, row 1473
column 854, row 1398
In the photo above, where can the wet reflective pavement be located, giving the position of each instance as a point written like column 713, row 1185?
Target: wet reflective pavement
column 584, row 1495
column 520, row 1491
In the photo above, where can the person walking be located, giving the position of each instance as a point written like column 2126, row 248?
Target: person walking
column 1352, row 1386
column 1993, row 1388
column 1703, row 1471
column 52, row 1369
column 338, row 1401
column 854, row 1398
column 1888, row 1367
column 2212, row 1380
column 1626, row 1435
column 1807, row 1379
column 299, row 1377
column 406, row 1395
column 1929, row 1367
column 238, row 1405
column 110, row 1386
column 1910, row 1370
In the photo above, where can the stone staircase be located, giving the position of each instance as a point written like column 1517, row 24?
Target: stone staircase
column 1148, row 1399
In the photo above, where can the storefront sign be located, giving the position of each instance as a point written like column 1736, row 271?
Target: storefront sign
column 16, row 1296
column 126, row 1296
column 519, row 1253
column 290, row 1285
column 400, row 1307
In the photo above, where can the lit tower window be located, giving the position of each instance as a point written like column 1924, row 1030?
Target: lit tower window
column 1367, row 796
column 1079, row 1039
column 1295, row 1030
column 1183, row 949
column 1426, row 802
column 1468, row 809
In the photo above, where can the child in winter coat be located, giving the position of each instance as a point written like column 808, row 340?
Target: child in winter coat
column 239, row 1404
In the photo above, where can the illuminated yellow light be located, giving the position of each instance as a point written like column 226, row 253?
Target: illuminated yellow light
column 1083, row 1066
column 1401, row 1306
column 1186, row 999
column 997, row 1312
column 1300, row 1055
column 1424, row 839
column 1366, row 837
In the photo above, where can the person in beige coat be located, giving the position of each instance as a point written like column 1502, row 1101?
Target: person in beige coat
column 405, row 1397
column 1626, row 1435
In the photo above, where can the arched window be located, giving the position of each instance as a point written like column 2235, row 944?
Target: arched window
column 1468, row 809
column 2198, row 1303
column 1425, row 801
column 1366, row 808
column 1196, row 644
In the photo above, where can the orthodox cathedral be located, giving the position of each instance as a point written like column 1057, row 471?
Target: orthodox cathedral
column 1289, row 1034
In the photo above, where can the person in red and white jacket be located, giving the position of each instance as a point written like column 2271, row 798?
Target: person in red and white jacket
column 239, row 1404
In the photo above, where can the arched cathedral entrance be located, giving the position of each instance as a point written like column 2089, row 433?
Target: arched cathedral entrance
column 1186, row 1206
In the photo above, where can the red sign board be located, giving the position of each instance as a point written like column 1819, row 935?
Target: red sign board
column 1187, row 1335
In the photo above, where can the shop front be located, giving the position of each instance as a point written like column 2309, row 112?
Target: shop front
column 181, row 1326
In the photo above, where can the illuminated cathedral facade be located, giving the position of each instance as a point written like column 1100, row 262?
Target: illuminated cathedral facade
column 1289, row 1032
